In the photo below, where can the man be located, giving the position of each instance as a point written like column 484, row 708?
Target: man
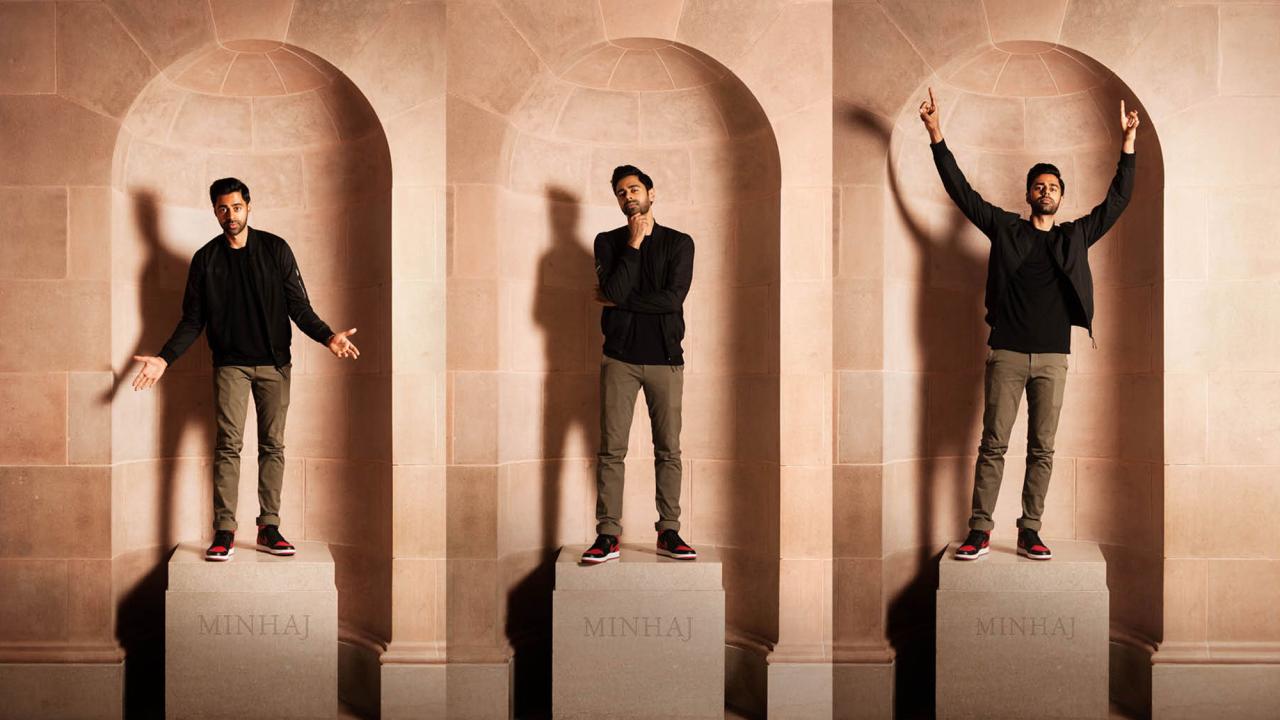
column 644, row 270
column 244, row 286
column 1038, row 286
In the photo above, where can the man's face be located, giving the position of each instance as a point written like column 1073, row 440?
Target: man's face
column 632, row 196
column 232, row 211
column 1045, row 194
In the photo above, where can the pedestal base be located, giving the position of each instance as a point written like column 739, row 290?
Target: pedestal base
column 253, row 637
column 1021, row 638
column 639, row 637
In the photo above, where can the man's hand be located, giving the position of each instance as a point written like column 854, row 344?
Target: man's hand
column 931, row 118
column 1129, row 123
column 640, row 225
column 341, row 347
column 601, row 299
column 152, row 368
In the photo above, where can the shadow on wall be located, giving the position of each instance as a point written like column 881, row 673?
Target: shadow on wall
column 528, row 620
column 914, row 641
column 140, row 613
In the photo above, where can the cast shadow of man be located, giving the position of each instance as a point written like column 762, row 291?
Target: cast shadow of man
column 567, row 411
column 181, row 407
column 945, row 250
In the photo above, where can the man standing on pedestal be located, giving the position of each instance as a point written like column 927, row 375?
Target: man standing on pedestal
column 644, row 270
column 244, row 286
column 1038, row 286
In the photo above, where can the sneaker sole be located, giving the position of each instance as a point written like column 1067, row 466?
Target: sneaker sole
column 1024, row 553
column 290, row 551
column 221, row 558
column 597, row 561
column 975, row 556
column 677, row 556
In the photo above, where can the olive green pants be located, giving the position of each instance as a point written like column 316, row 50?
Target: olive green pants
column 663, row 387
column 232, row 385
column 1043, row 376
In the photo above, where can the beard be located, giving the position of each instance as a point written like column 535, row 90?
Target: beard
column 239, row 228
column 1045, row 206
column 639, row 208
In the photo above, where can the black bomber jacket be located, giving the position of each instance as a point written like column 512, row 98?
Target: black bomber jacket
column 654, row 285
column 1010, row 234
column 277, row 282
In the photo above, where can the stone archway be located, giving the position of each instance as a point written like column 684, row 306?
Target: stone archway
column 313, row 153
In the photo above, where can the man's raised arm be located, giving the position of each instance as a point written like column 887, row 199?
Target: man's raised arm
column 979, row 212
column 1106, row 213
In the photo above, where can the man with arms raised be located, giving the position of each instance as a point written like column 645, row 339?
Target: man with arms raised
column 1038, row 286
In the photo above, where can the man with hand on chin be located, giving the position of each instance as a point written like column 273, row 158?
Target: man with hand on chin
column 244, row 286
column 644, row 271
column 1038, row 286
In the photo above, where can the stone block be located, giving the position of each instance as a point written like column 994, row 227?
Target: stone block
column 647, row 630
column 253, row 637
column 60, row 691
column 1023, row 638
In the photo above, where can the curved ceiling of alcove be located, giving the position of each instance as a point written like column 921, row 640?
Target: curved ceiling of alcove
column 1008, row 106
column 275, row 109
column 668, row 106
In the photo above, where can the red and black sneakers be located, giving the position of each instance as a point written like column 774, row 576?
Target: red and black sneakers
column 222, row 547
column 270, row 540
column 975, row 546
column 671, row 545
column 604, row 549
column 1031, row 546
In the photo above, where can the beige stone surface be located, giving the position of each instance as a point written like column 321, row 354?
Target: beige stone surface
column 27, row 48
column 862, row 690
column 480, row 691
column 413, row 691
column 801, row 690
column 636, row 624
column 1195, row 691
column 225, row 622
column 62, row 691
column 1023, row 638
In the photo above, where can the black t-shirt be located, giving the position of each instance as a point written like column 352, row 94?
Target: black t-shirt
column 247, row 335
column 1034, row 316
column 645, row 344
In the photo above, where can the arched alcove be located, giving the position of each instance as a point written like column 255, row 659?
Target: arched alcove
column 314, row 155
column 1006, row 107
column 525, row 341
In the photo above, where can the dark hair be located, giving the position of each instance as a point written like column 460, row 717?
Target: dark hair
column 226, row 186
column 1045, row 169
column 624, row 170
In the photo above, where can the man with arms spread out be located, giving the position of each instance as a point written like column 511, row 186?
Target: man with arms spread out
column 644, row 270
column 244, row 286
column 1038, row 286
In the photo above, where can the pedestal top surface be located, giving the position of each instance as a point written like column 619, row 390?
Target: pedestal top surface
column 1075, row 566
column 252, row 570
column 639, row 568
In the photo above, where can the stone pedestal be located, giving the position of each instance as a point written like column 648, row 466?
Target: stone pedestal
column 1022, row 638
column 253, row 637
column 638, row 637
